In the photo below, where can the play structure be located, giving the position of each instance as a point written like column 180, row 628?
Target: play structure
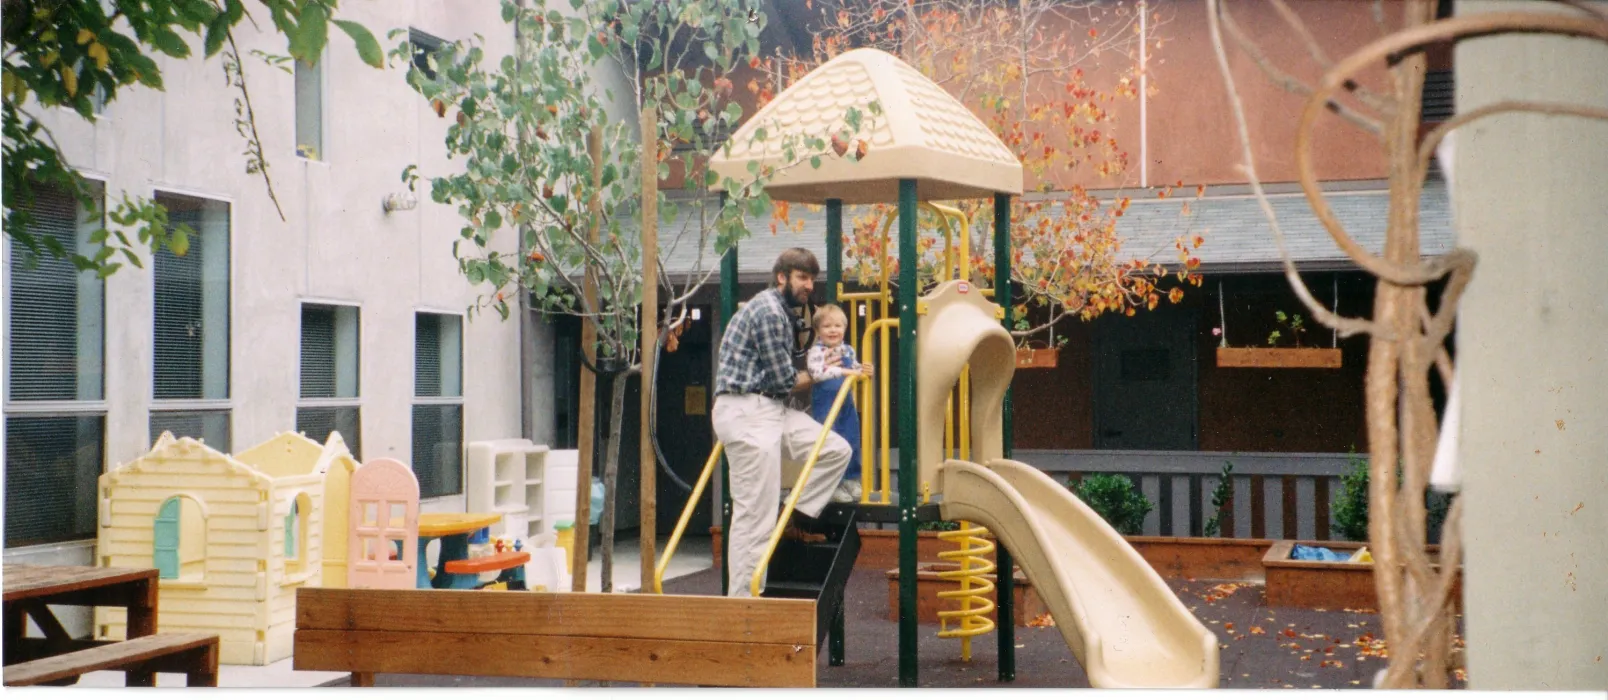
column 233, row 536
column 1115, row 613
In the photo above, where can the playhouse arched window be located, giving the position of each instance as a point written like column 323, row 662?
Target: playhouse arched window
column 296, row 533
column 179, row 539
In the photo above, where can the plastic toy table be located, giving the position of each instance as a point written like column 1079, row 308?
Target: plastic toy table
column 453, row 529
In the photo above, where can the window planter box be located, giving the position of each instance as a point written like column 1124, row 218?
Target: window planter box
column 1036, row 358
column 1329, row 584
column 1321, row 358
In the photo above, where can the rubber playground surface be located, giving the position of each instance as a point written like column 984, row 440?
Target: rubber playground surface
column 1263, row 647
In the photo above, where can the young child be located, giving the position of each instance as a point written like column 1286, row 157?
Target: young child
column 830, row 361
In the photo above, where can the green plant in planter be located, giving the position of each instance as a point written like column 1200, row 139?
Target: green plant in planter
column 1293, row 322
column 1220, row 497
column 1351, row 510
column 1116, row 499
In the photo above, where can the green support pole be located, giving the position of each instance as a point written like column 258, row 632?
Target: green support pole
column 1006, row 588
column 834, row 248
column 834, row 639
column 909, row 495
column 728, row 308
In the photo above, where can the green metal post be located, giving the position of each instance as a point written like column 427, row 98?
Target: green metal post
column 909, row 496
column 834, row 276
column 728, row 308
column 834, row 248
column 1006, row 588
column 834, row 643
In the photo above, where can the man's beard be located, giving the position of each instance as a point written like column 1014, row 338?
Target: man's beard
column 792, row 294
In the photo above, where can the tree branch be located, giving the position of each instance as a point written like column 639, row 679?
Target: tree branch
column 1289, row 82
column 254, row 142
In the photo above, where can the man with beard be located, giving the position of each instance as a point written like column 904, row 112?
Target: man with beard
column 760, row 429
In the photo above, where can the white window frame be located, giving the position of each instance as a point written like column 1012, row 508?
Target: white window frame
column 463, row 418
column 336, row 402
column 95, row 408
column 224, row 405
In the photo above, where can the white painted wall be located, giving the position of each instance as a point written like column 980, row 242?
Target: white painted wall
column 336, row 244
column 1533, row 356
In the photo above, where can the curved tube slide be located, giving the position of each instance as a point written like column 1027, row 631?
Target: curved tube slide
column 1119, row 618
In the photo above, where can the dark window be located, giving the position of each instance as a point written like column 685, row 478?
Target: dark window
column 438, row 404
column 329, row 374
column 54, row 416
column 423, row 46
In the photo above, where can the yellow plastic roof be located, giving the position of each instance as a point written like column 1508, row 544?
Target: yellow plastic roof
column 923, row 133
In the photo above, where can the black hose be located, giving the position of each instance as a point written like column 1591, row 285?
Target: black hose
column 653, row 421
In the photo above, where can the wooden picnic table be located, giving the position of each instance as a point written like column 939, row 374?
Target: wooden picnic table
column 29, row 589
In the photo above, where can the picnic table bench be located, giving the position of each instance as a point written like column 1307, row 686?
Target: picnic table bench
column 58, row 659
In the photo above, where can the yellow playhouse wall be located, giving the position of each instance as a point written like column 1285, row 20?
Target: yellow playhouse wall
column 337, row 465
column 285, row 454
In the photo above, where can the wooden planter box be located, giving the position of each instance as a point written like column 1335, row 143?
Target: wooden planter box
column 1172, row 557
column 1203, row 557
column 1328, row 584
column 1324, row 358
column 928, row 584
column 1036, row 358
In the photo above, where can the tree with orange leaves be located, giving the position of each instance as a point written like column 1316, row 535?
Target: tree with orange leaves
column 1020, row 66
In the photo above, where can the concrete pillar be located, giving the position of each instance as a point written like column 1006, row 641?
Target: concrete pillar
column 1533, row 353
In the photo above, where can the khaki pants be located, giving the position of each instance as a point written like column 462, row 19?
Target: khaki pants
column 762, row 435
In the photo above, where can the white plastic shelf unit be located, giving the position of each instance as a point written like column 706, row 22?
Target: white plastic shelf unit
column 509, row 477
column 562, row 467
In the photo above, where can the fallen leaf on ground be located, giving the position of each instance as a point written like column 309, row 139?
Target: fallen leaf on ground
column 1042, row 621
column 1257, row 630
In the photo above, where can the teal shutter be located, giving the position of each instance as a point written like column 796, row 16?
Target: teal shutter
column 166, row 538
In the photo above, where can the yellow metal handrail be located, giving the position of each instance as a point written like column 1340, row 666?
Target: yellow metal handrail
column 798, row 485
column 686, row 516
column 885, row 325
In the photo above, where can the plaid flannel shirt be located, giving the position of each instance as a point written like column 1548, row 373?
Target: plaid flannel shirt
column 756, row 356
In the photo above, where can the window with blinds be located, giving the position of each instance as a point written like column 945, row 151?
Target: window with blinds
column 190, row 372
column 438, row 404
column 329, row 374
column 55, row 416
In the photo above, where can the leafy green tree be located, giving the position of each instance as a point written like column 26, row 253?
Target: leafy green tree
column 535, row 224
column 81, row 54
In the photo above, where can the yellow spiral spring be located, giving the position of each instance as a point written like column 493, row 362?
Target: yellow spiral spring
column 972, row 617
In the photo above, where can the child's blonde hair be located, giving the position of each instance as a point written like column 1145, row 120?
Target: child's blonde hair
column 825, row 312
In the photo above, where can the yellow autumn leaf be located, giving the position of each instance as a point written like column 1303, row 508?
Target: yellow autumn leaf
column 69, row 81
column 84, row 35
column 98, row 52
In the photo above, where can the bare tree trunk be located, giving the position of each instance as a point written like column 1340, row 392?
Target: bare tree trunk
column 611, row 472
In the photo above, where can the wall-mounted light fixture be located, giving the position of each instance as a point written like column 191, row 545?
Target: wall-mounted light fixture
column 403, row 201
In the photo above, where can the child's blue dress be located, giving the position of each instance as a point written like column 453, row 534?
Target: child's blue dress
column 824, row 391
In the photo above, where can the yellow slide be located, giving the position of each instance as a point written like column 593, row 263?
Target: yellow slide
column 1119, row 618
